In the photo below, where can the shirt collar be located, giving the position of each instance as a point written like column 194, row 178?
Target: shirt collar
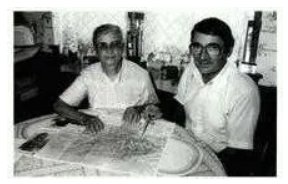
column 220, row 76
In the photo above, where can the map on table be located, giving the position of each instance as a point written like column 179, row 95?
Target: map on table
column 115, row 148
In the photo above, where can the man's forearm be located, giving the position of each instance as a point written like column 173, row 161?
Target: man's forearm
column 67, row 111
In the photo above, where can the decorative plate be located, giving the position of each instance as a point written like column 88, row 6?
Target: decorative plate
column 179, row 158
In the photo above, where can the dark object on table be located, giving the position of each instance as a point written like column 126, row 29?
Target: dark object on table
column 36, row 143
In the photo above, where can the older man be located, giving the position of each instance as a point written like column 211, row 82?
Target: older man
column 114, row 82
column 221, row 104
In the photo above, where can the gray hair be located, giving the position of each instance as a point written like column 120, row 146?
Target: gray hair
column 104, row 29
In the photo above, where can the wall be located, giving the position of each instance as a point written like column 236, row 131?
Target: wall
column 170, row 31
column 166, row 31
column 267, row 49
column 74, row 27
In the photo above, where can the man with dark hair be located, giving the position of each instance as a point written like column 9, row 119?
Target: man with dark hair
column 114, row 82
column 221, row 104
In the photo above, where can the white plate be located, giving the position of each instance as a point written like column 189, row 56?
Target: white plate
column 179, row 158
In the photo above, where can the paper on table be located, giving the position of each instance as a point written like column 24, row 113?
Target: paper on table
column 77, row 151
column 56, row 146
column 111, row 149
column 126, row 152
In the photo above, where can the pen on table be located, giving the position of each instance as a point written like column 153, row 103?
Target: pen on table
column 146, row 126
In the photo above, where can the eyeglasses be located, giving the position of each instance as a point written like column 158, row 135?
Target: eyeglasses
column 117, row 45
column 213, row 49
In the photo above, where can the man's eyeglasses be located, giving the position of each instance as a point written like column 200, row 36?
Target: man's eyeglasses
column 117, row 45
column 213, row 49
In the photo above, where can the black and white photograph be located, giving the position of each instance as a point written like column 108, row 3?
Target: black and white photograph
column 143, row 92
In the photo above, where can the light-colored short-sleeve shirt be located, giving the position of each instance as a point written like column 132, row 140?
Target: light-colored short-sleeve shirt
column 132, row 86
column 223, row 112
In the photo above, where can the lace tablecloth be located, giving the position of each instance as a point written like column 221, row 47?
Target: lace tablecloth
column 207, row 163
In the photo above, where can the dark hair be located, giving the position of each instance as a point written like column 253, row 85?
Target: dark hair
column 216, row 27
column 104, row 29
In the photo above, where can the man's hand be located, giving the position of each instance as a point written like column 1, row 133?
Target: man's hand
column 132, row 115
column 93, row 124
column 151, row 112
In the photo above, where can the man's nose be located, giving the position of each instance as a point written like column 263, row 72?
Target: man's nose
column 204, row 54
column 110, row 50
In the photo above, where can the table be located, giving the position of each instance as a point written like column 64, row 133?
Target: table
column 182, row 153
